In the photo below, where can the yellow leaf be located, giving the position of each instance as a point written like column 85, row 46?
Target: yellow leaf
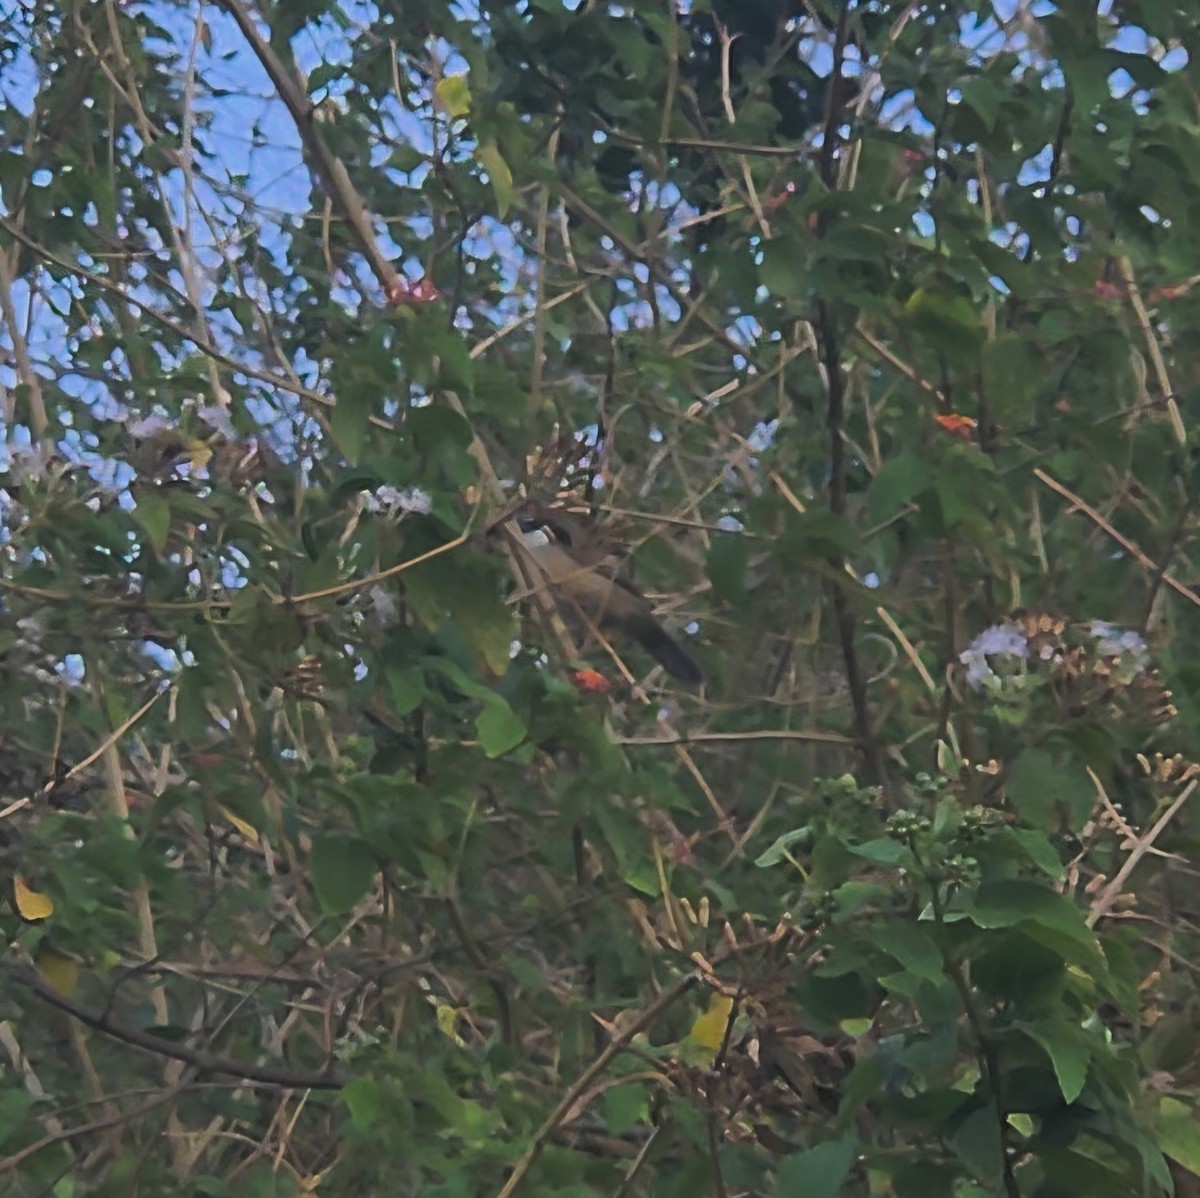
column 917, row 301
column 454, row 95
column 29, row 903
column 197, row 452
column 60, row 973
column 709, row 1029
column 247, row 830
column 447, row 1021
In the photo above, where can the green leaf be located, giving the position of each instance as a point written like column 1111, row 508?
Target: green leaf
column 779, row 851
column 1011, row 901
column 727, row 559
column 499, row 173
column 455, row 370
column 1042, row 784
column 929, row 1179
column 625, row 1106
column 350, row 418
column 466, row 588
column 434, row 427
column 202, row 1187
column 1033, row 846
column 978, row 1145
column 986, row 98
column 361, row 1096
column 818, row 1172
column 1030, row 787
column 818, row 534
column 866, row 1079
column 1087, row 1171
column 1069, row 1049
column 498, row 726
column 407, row 687
column 1013, row 373
column 947, row 321
column 342, row 868
column 14, row 1105
column 784, row 270
column 1179, row 1133
column 899, row 482
column 1124, row 974
column 468, row 685
column 264, row 627
column 406, row 159
column 153, row 513
column 913, row 947
column 489, row 624
column 883, row 851
column 443, row 435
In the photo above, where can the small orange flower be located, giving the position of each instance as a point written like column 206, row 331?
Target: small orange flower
column 592, row 682
column 956, row 424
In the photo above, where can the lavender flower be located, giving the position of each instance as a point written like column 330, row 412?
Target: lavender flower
column 1116, row 641
column 999, row 640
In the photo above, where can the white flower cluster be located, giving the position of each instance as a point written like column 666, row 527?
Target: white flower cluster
column 388, row 501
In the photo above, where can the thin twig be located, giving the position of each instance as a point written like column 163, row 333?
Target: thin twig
column 1156, row 358
column 1109, row 894
column 617, row 1045
column 692, row 738
column 8, row 1163
column 1126, row 544
column 111, row 739
column 160, row 1046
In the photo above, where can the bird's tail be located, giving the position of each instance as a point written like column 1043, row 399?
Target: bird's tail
column 669, row 654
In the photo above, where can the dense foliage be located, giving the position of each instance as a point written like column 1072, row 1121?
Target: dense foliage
column 331, row 869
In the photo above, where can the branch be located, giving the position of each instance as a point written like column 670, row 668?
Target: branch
column 207, row 348
column 695, row 738
column 329, row 166
column 8, row 1163
column 345, row 198
column 329, row 1079
column 1126, row 544
column 568, row 1100
column 1109, row 894
column 829, row 352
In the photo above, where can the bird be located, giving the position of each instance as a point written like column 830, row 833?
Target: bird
column 583, row 565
